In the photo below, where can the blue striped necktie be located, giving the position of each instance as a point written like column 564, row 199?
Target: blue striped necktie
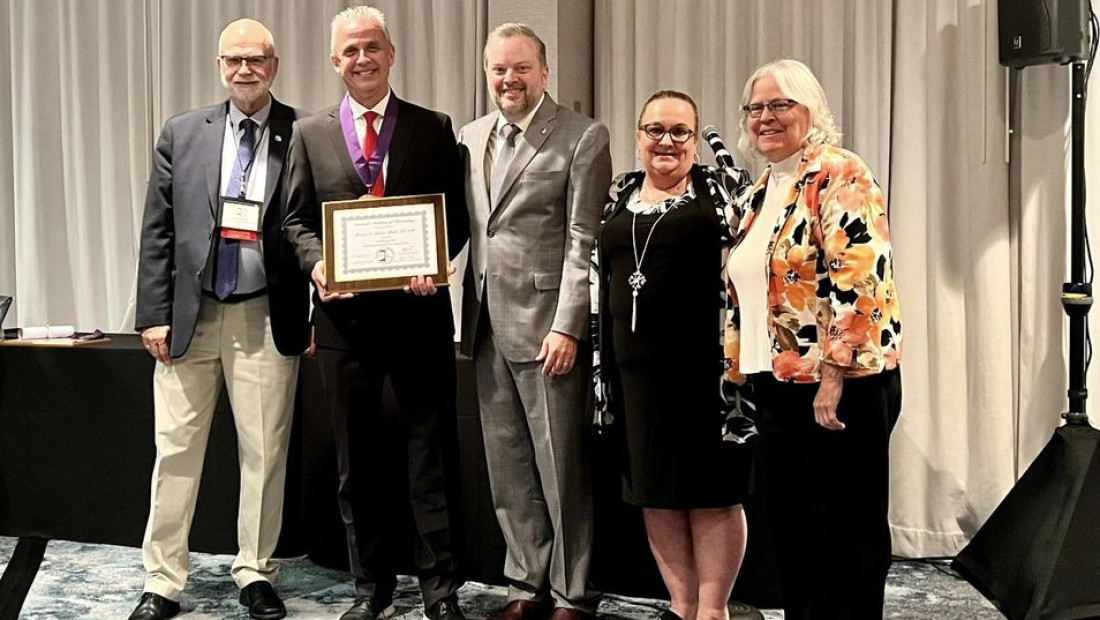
column 229, row 250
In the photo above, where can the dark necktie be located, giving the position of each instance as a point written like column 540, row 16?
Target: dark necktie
column 500, row 167
column 370, row 139
column 229, row 250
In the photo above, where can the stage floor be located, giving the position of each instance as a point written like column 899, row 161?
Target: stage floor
column 103, row 582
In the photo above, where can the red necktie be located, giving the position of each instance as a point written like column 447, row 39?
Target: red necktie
column 369, row 140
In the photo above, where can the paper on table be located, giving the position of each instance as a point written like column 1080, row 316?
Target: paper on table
column 49, row 331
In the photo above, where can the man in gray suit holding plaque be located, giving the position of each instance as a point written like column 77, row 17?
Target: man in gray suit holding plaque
column 536, row 178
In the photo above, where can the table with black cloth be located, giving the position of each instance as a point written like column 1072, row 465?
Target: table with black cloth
column 76, row 456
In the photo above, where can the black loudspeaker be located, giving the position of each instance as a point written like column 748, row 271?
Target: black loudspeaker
column 1038, row 555
column 1037, row 32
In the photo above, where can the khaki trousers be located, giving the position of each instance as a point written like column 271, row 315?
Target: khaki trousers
column 232, row 342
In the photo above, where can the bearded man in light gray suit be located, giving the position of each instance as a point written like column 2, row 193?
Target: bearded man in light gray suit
column 537, row 175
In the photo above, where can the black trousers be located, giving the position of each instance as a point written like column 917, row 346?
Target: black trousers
column 391, row 467
column 827, row 494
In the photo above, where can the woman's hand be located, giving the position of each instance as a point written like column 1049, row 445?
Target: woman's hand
column 828, row 397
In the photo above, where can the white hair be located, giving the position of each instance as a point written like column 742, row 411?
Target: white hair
column 796, row 81
column 356, row 12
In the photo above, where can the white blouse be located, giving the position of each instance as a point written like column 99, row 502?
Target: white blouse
column 749, row 267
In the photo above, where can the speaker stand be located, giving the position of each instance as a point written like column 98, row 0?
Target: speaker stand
column 1038, row 555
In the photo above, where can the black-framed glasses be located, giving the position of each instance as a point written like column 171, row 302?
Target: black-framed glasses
column 678, row 133
column 235, row 62
column 777, row 106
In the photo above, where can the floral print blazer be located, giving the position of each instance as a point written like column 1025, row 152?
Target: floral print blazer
column 831, row 293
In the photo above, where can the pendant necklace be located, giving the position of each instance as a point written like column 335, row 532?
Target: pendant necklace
column 637, row 279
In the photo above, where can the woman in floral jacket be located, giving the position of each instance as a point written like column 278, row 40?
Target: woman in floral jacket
column 817, row 332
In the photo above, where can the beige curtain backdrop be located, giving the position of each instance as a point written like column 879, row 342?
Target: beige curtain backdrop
column 7, row 160
column 86, row 85
column 985, row 239
column 953, row 451
column 79, row 135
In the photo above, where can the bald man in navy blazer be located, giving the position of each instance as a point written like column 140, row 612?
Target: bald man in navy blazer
column 214, row 309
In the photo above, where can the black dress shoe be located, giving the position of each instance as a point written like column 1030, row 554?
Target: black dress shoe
column 368, row 608
column 154, row 607
column 262, row 602
column 444, row 609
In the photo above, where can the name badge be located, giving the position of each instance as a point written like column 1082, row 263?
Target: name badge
column 240, row 218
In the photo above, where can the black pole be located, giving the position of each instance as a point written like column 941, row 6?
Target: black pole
column 1077, row 293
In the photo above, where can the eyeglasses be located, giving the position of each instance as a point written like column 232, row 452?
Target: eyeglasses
column 678, row 133
column 778, row 106
column 235, row 62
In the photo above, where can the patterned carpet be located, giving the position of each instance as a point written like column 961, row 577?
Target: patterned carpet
column 100, row 582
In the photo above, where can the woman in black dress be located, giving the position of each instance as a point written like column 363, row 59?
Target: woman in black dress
column 660, row 253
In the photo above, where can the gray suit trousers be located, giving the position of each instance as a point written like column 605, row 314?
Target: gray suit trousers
column 534, row 430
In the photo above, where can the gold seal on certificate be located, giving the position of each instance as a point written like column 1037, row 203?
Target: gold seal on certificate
column 377, row 244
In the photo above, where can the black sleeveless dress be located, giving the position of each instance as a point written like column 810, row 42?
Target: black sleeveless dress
column 667, row 371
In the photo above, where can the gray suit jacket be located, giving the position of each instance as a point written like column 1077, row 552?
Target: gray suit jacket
column 177, row 232
column 530, row 255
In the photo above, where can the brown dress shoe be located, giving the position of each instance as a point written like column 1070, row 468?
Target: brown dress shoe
column 568, row 613
column 522, row 610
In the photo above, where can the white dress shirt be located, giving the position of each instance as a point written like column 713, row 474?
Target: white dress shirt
column 250, row 271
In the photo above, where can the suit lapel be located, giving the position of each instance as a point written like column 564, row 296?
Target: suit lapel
column 340, row 146
column 528, row 145
column 279, row 140
column 213, row 137
column 399, row 149
column 478, row 143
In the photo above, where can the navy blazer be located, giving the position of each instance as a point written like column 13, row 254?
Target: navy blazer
column 178, row 229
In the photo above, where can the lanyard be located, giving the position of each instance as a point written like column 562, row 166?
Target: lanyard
column 246, row 166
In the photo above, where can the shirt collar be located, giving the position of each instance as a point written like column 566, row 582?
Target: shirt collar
column 788, row 166
column 522, row 123
column 236, row 116
column 358, row 109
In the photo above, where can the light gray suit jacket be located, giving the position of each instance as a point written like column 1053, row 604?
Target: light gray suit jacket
column 530, row 255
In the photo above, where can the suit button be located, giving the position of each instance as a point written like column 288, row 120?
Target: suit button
column 492, row 233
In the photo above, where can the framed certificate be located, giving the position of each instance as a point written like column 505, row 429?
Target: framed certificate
column 377, row 244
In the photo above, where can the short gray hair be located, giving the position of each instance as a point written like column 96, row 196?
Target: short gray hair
column 515, row 29
column 795, row 80
column 356, row 12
